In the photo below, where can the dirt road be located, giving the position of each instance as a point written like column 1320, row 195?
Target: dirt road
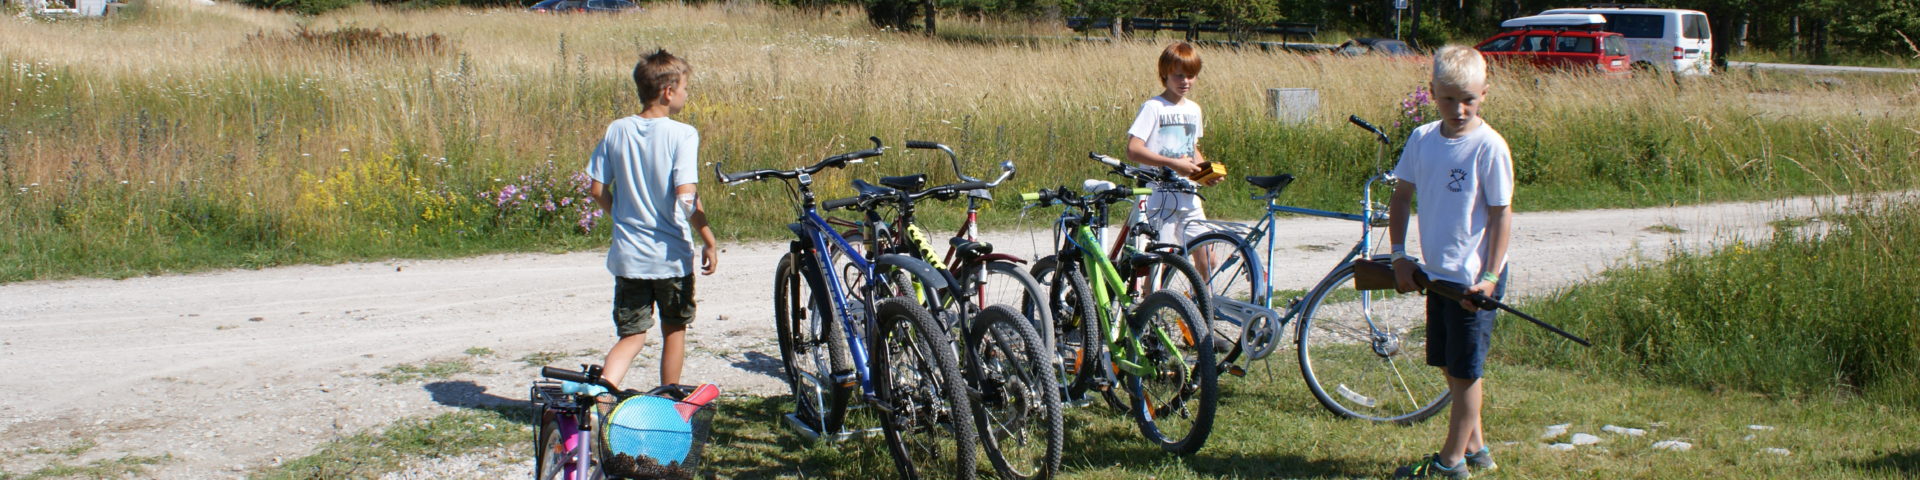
column 232, row 371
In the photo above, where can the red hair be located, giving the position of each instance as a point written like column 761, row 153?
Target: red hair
column 1182, row 57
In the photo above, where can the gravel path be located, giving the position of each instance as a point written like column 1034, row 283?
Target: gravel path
column 231, row 371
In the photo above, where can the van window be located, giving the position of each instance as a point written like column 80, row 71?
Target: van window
column 1614, row 46
column 1635, row 25
column 1502, row 44
column 1572, row 44
column 1696, row 27
column 1536, row 43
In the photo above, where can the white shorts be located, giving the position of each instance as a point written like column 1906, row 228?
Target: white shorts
column 1177, row 226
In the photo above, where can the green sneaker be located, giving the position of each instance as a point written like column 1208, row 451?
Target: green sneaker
column 1432, row 468
column 1482, row 460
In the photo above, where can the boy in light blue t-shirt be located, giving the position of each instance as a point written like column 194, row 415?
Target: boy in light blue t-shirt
column 644, row 174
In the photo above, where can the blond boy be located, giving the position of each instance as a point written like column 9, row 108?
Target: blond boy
column 1462, row 173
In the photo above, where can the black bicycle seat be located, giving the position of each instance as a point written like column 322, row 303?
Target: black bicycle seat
column 1274, row 183
column 969, row 250
column 911, row 183
column 870, row 189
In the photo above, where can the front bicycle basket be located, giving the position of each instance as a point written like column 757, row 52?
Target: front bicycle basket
column 653, row 436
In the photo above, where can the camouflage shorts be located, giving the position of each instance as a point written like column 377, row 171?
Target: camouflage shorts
column 635, row 300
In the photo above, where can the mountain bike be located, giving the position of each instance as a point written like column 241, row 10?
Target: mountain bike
column 1112, row 332
column 1362, row 353
column 826, row 322
column 1009, row 370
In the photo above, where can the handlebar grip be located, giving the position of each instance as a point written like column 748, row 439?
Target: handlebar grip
column 973, row 185
column 923, row 144
column 1355, row 119
column 564, row 374
column 1109, row 161
column 840, row 203
column 1142, row 191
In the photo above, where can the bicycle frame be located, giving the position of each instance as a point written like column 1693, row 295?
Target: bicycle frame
column 1107, row 286
column 820, row 236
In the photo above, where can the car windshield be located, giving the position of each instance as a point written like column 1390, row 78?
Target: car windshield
column 1635, row 25
column 1615, row 46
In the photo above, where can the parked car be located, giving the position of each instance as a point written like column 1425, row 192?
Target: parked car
column 1560, row 42
column 1376, row 46
column 1665, row 38
column 566, row 6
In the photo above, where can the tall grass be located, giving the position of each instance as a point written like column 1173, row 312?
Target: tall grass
column 1795, row 315
column 268, row 104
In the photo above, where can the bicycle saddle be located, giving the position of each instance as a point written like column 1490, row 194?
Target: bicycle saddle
column 870, row 189
column 911, row 183
column 969, row 250
column 1274, row 183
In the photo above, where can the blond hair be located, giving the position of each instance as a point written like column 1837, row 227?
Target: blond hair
column 1459, row 66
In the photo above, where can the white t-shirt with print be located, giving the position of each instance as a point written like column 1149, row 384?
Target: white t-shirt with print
column 1170, row 130
column 1455, row 180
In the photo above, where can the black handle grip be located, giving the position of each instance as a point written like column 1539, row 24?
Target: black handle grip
column 1106, row 160
column 564, row 374
column 923, row 144
column 973, row 185
column 1355, row 119
column 840, row 203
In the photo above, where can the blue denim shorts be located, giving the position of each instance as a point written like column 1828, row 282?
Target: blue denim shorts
column 1458, row 339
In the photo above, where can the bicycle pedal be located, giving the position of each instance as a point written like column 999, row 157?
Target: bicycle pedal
column 1235, row 370
column 846, row 379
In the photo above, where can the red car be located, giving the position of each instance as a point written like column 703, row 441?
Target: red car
column 1565, row 42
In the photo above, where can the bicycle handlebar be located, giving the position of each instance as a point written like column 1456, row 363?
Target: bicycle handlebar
column 836, row 161
column 576, row 377
column 1355, row 119
column 867, row 201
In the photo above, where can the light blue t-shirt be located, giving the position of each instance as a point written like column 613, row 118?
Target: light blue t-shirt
column 642, row 160
column 1455, row 180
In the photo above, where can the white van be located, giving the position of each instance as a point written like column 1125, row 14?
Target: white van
column 1664, row 38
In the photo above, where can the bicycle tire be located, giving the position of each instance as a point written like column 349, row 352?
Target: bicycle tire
column 1017, row 409
column 546, row 460
column 1172, row 394
column 1355, row 373
column 1236, row 273
column 1176, row 274
column 813, row 344
column 1002, row 278
column 1079, row 342
column 920, row 383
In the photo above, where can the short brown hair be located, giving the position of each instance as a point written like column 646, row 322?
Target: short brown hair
column 658, row 70
column 1181, row 56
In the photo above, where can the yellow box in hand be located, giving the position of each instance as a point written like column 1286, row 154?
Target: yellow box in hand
column 1208, row 172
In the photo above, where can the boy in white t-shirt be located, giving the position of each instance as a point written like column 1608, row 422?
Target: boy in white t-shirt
column 1462, row 173
column 1167, row 133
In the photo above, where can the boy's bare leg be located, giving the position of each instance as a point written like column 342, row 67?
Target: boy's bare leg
column 673, row 352
column 1463, row 420
column 620, row 357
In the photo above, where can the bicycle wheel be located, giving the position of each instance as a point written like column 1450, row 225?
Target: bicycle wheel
column 1003, row 282
column 547, row 459
column 1018, row 408
column 1175, row 403
column 1232, row 272
column 1078, row 341
column 1175, row 273
column 813, row 344
column 1363, row 353
column 929, row 422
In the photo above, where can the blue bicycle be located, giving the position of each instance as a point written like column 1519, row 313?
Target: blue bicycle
column 1362, row 352
column 827, row 318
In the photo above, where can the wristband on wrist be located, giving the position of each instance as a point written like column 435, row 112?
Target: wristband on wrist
column 1493, row 277
column 1399, row 252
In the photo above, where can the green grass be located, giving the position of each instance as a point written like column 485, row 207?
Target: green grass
column 368, row 455
column 1272, row 427
column 436, row 369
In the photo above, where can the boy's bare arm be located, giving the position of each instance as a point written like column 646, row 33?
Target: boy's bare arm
column 1499, row 232
column 697, row 218
column 1399, row 213
column 1138, row 153
column 601, row 197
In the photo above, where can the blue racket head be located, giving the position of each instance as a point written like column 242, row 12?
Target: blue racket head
column 649, row 426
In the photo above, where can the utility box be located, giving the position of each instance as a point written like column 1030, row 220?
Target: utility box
column 1293, row 105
